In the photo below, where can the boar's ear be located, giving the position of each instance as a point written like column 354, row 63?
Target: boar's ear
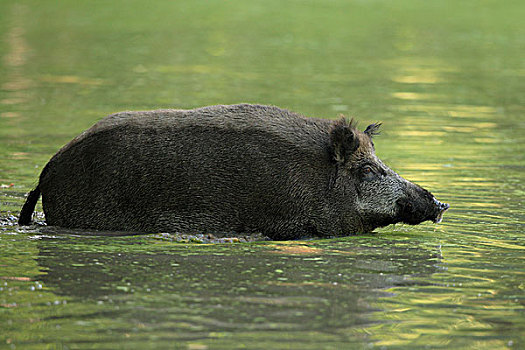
column 343, row 140
column 372, row 129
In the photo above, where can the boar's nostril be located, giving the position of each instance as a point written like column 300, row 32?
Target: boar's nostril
column 441, row 206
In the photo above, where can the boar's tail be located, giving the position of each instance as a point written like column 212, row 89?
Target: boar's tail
column 27, row 210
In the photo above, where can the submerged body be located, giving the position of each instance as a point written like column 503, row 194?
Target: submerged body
column 226, row 170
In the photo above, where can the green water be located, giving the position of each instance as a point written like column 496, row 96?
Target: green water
column 445, row 77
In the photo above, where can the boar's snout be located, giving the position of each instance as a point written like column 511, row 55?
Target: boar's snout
column 441, row 207
column 420, row 205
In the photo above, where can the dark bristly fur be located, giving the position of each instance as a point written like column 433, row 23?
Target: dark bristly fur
column 225, row 170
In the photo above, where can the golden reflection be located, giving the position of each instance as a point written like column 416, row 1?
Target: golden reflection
column 499, row 244
column 9, row 114
column 485, row 241
column 466, row 129
column 18, row 51
column 12, row 101
column 401, row 309
column 14, row 59
column 17, row 83
column 421, row 72
column 469, row 276
column 421, row 133
column 425, row 166
column 19, row 155
column 195, row 68
column 477, row 109
column 15, row 278
column 427, row 78
column 8, row 306
column 70, row 79
column 487, row 205
column 413, row 96
column 296, row 249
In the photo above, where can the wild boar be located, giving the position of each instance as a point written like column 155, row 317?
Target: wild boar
column 226, row 170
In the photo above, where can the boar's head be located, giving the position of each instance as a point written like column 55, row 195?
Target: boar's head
column 368, row 193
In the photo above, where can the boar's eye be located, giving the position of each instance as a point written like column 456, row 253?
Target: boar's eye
column 367, row 170
column 368, row 173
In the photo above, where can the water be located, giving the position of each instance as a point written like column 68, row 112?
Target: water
column 445, row 78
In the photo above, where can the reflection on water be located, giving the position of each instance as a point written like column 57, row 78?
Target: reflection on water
column 317, row 290
column 448, row 90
